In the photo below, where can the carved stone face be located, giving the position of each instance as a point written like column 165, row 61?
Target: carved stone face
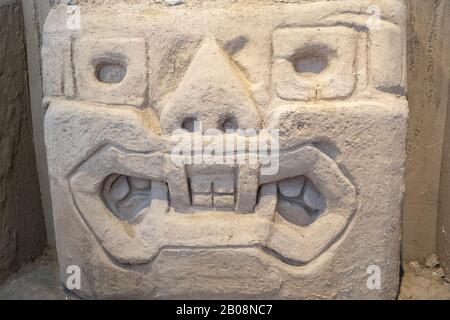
column 320, row 75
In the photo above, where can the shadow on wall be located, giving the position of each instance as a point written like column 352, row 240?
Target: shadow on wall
column 22, row 230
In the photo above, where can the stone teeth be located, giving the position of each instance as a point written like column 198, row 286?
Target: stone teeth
column 120, row 189
column 294, row 213
column 140, row 184
column 213, row 191
column 202, row 200
column 201, row 184
column 224, row 185
column 292, row 188
column 133, row 205
column 312, row 197
column 224, row 201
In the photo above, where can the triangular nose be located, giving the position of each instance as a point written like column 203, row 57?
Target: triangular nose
column 213, row 91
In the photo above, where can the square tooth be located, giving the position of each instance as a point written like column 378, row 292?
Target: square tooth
column 202, row 200
column 224, row 201
column 226, row 184
column 201, row 184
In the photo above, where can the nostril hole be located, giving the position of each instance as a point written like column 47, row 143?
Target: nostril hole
column 189, row 124
column 111, row 72
column 230, row 124
column 309, row 63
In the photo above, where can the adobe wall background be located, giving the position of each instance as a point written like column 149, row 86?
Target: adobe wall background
column 22, row 230
column 34, row 13
column 428, row 74
column 428, row 93
column 443, row 229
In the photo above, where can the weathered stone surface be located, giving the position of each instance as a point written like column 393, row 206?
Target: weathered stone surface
column 226, row 229
column 427, row 165
column 120, row 189
column 292, row 187
column 312, row 197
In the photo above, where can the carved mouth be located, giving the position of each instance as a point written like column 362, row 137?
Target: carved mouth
column 133, row 210
column 298, row 200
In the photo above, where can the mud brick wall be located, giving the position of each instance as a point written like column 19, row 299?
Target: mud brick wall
column 428, row 82
column 443, row 228
column 22, row 231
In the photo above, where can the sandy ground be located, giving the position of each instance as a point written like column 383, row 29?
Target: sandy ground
column 421, row 283
column 35, row 281
column 39, row 281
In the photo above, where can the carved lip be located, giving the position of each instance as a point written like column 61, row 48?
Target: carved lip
column 162, row 225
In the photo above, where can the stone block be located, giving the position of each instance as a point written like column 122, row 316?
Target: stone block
column 299, row 75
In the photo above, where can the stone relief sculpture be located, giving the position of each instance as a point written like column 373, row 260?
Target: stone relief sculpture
column 123, row 91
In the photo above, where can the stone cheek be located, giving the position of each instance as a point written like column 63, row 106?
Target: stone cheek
column 310, row 82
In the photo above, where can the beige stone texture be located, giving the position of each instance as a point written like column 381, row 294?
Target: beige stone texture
column 342, row 129
column 34, row 15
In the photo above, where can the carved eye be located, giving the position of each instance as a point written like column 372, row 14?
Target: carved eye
column 299, row 201
column 126, row 196
column 312, row 61
column 111, row 72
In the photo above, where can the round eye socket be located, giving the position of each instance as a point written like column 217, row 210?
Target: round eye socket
column 312, row 61
column 111, row 72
